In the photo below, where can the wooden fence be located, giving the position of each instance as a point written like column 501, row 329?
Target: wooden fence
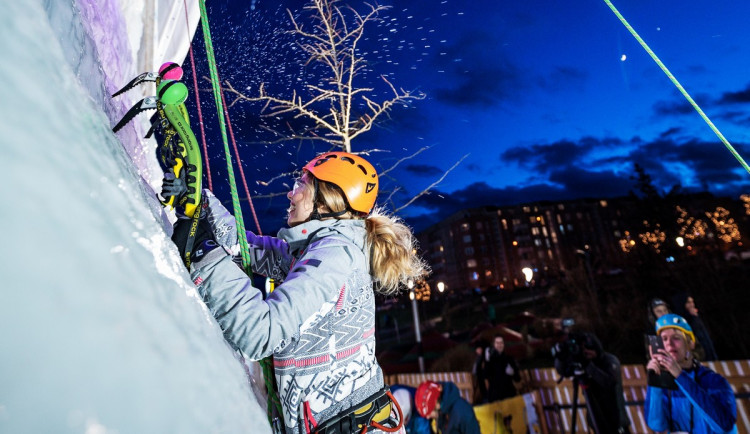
column 554, row 401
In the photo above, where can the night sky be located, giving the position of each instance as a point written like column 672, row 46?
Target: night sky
column 550, row 99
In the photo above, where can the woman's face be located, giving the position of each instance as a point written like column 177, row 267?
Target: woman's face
column 660, row 310
column 300, row 201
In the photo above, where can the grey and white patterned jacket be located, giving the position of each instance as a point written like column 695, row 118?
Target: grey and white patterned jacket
column 319, row 324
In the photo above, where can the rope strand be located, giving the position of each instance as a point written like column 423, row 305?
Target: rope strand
column 198, row 101
column 273, row 398
column 678, row 85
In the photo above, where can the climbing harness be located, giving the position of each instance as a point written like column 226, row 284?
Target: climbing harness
column 377, row 412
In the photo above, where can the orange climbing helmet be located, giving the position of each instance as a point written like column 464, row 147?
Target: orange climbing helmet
column 354, row 175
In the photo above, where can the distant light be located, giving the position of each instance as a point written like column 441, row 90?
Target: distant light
column 680, row 241
column 441, row 286
column 528, row 274
column 623, row 57
column 670, row 258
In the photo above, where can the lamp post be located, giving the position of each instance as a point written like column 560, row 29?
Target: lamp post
column 417, row 332
column 528, row 274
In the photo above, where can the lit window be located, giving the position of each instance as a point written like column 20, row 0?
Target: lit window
column 526, row 209
column 535, row 231
column 603, row 203
column 471, row 263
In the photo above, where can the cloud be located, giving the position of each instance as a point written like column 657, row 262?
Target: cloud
column 569, row 169
column 567, row 184
column 679, row 107
column 544, row 157
column 735, row 97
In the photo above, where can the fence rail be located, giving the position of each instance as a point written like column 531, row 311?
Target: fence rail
column 554, row 400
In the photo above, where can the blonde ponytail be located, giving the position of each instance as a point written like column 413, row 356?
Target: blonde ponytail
column 393, row 248
column 394, row 259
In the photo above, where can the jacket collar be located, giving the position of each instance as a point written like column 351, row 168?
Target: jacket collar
column 300, row 236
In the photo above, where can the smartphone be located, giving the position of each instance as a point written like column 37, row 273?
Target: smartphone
column 655, row 344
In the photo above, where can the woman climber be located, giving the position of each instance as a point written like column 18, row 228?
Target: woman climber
column 319, row 323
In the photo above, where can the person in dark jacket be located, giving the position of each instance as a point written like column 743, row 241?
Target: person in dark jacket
column 441, row 401
column 703, row 402
column 657, row 308
column 684, row 305
column 477, row 372
column 603, row 381
column 500, row 371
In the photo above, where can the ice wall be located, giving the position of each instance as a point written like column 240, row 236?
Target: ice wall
column 102, row 331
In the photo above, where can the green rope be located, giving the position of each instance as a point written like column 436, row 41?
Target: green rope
column 679, row 86
column 273, row 399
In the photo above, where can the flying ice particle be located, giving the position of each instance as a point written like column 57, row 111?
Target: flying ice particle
column 623, row 57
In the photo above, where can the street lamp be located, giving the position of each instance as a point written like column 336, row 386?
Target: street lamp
column 528, row 274
column 417, row 331
column 441, row 286
column 680, row 241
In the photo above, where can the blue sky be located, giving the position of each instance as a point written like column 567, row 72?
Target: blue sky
column 550, row 99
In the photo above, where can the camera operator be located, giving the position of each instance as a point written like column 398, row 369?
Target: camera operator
column 603, row 380
column 703, row 401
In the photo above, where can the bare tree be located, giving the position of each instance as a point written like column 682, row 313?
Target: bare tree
column 332, row 42
column 331, row 106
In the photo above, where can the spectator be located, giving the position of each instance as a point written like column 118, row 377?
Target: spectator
column 442, row 403
column 414, row 423
column 703, row 402
column 656, row 309
column 478, row 376
column 684, row 305
column 603, row 381
column 500, row 371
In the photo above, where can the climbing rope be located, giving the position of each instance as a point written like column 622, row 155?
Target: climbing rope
column 198, row 100
column 273, row 398
column 678, row 85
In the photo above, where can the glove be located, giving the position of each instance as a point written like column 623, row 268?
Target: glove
column 173, row 186
column 223, row 225
column 203, row 242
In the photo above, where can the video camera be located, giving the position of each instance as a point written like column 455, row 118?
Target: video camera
column 569, row 357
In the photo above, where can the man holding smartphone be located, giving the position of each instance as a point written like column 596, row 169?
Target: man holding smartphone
column 703, row 401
